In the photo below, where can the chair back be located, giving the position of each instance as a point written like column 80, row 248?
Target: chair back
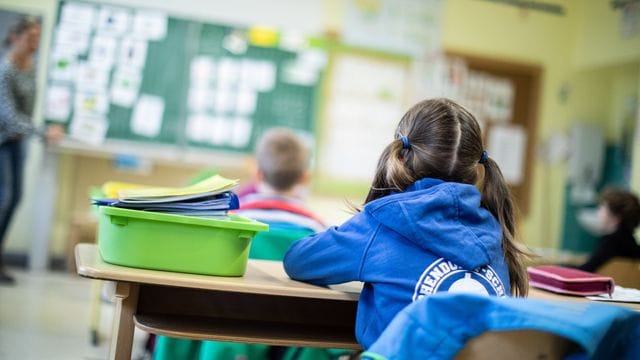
column 625, row 272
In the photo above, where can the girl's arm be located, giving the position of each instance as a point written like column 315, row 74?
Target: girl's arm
column 333, row 256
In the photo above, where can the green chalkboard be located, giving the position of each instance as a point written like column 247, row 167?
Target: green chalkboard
column 218, row 88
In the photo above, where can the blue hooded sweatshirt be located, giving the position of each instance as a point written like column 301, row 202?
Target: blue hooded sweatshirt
column 438, row 327
column 432, row 237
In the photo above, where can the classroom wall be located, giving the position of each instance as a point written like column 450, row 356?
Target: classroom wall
column 624, row 99
column 581, row 51
column 505, row 32
column 569, row 48
column 598, row 41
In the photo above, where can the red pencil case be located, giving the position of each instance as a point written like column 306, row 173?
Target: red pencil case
column 569, row 281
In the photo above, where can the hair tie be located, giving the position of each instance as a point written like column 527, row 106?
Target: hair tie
column 405, row 142
column 484, row 157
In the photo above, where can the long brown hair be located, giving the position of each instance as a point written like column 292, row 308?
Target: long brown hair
column 444, row 141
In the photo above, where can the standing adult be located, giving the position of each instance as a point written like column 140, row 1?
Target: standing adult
column 17, row 95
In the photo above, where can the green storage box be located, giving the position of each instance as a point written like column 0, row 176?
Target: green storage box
column 178, row 243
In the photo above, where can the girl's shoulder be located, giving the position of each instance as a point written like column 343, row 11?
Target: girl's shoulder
column 438, row 191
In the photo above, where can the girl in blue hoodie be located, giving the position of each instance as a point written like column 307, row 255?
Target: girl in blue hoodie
column 438, row 217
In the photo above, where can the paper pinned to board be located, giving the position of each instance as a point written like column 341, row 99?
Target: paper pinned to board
column 58, row 103
column 229, row 72
column 299, row 73
column 507, row 146
column 133, row 53
column 147, row 116
column 197, row 125
column 259, row 75
column 202, row 71
column 225, row 100
column 91, row 77
column 150, row 25
column 200, row 99
column 89, row 102
column 125, row 87
column 63, row 65
column 78, row 16
column 115, row 21
column 71, row 40
column 103, row 51
column 246, row 102
column 90, row 129
column 266, row 76
column 219, row 130
column 241, row 132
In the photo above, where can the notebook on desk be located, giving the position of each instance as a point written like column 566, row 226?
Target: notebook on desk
column 569, row 281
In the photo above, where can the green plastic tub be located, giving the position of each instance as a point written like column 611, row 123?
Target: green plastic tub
column 178, row 243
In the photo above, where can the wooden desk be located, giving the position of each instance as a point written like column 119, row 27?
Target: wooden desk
column 264, row 306
column 547, row 295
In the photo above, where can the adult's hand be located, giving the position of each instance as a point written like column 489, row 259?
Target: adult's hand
column 54, row 134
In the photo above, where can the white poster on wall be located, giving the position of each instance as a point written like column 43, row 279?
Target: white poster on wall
column 150, row 25
column 63, row 66
column 78, row 16
column 91, row 77
column 146, row 119
column 58, row 103
column 133, row 53
column 229, row 72
column 200, row 99
column 507, row 146
column 90, row 129
column 225, row 100
column 246, row 102
column 241, row 132
column 125, row 86
column 113, row 21
column 103, row 51
column 197, row 126
column 360, row 104
column 266, row 76
column 89, row 102
column 202, row 71
column 70, row 40
column 405, row 26
column 219, row 130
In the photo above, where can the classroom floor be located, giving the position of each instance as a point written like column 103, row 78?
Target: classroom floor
column 47, row 316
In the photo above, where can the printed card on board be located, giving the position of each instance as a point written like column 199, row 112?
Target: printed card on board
column 58, row 103
column 114, row 21
column 147, row 116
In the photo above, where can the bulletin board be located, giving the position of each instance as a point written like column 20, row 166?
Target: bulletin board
column 509, row 131
column 139, row 75
column 359, row 116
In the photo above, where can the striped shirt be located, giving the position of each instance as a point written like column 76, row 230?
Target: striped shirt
column 279, row 209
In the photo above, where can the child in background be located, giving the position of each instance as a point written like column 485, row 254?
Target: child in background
column 438, row 217
column 275, row 198
column 618, row 216
column 282, row 176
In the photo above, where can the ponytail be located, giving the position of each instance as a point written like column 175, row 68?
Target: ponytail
column 496, row 197
column 391, row 173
